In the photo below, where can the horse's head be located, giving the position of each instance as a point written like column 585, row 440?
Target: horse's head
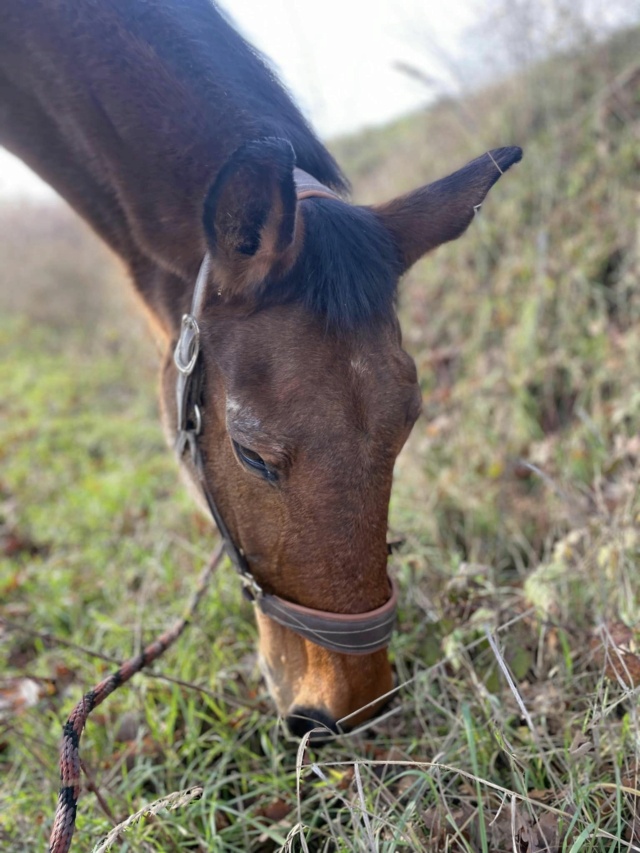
column 307, row 398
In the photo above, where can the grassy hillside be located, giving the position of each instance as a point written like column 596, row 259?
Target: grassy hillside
column 516, row 725
column 525, row 330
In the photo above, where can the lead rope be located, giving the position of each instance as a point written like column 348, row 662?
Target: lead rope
column 65, row 817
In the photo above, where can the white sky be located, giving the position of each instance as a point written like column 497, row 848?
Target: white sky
column 337, row 56
column 337, row 59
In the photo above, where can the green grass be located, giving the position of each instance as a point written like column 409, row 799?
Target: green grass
column 518, row 495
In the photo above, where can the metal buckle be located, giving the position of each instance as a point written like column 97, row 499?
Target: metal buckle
column 250, row 586
column 189, row 340
column 251, row 589
column 185, row 438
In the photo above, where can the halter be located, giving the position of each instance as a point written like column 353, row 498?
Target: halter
column 355, row 634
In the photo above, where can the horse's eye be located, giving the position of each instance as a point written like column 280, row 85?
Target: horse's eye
column 252, row 461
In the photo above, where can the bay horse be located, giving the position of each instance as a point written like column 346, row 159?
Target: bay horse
column 284, row 379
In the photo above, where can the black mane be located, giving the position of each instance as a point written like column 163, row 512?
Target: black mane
column 348, row 269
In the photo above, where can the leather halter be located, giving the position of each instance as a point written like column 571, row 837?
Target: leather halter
column 356, row 634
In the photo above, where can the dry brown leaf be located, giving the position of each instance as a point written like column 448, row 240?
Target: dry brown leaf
column 18, row 694
column 530, row 834
column 616, row 649
column 129, row 727
column 14, row 544
column 632, row 831
column 542, row 795
column 275, row 810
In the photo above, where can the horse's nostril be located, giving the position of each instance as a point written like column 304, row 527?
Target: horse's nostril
column 302, row 720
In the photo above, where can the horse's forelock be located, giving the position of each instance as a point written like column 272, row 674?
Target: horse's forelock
column 347, row 271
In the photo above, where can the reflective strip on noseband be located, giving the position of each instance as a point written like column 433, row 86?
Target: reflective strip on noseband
column 355, row 634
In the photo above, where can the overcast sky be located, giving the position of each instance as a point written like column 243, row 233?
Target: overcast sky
column 337, row 58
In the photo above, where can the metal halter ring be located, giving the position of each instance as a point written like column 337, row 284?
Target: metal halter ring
column 190, row 340
column 197, row 420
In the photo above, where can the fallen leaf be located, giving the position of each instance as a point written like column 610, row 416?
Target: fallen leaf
column 276, row 810
column 615, row 648
column 18, row 694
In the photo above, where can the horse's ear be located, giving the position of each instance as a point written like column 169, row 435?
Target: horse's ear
column 439, row 212
column 250, row 217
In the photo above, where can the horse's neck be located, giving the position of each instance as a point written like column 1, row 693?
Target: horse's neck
column 119, row 131
column 97, row 112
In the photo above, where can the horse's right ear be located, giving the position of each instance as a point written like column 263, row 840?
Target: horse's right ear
column 441, row 211
column 250, row 217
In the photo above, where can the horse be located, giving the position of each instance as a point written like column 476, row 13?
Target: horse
column 284, row 383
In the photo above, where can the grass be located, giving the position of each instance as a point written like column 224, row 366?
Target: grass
column 516, row 725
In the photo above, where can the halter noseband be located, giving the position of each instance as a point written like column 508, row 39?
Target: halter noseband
column 355, row 634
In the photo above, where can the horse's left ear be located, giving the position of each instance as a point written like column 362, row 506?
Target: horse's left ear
column 442, row 211
column 250, row 217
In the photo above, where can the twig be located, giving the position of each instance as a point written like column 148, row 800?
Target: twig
column 93, row 787
column 510, row 681
column 51, row 639
column 363, row 810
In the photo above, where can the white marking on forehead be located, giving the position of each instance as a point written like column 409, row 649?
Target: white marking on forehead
column 243, row 416
column 359, row 366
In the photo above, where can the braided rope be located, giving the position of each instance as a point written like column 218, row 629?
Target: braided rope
column 65, row 818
